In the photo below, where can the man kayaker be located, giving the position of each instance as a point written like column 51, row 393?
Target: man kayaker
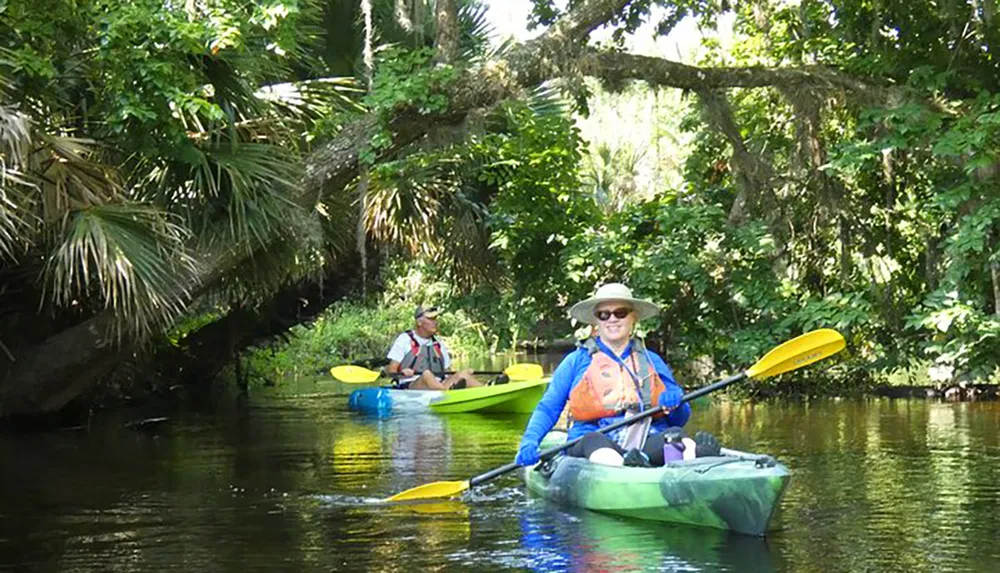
column 422, row 359
column 610, row 374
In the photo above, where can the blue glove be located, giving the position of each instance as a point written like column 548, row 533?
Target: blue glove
column 671, row 396
column 527, row 454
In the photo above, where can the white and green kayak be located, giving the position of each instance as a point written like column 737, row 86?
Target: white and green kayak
column 513, row 397
column 735, row 491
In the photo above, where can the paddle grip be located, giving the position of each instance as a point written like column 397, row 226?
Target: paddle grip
column 611, row 427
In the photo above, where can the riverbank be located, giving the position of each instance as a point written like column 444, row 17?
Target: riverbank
column 951, row 393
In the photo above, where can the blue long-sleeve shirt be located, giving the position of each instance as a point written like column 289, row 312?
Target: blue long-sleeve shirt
column 569, row 373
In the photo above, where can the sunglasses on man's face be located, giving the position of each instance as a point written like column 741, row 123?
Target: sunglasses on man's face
column 603, row 315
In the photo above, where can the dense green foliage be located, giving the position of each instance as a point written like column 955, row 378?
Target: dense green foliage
column 151, row 133
column 890, row 237
column 350, row 332
column 151, row 158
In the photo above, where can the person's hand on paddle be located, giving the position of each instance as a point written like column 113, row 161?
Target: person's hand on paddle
column 527, row 454
column 671, row 397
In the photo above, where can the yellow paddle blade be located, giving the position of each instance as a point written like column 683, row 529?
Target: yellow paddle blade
column 436, row 490
column 525, row 371
column 352, row 374
column 798, row 352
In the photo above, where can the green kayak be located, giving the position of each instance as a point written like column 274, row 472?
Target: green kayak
column 513, row 397
column 736, row 491
column 518, row 397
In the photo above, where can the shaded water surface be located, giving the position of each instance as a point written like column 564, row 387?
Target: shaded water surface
column 285, row 481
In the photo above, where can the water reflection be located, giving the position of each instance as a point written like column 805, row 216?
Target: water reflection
column 288, row 480
column 577, row 540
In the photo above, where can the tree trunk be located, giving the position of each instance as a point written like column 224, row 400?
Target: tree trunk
column 889, row 180
column 831, row 192
column 846, row 260
column 202, row 354
column 50, row 374
column 446, row 41
column 361, row 232
column 931, row 257
column 995, row 276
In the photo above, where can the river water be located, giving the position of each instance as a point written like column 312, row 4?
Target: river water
column 285, row 480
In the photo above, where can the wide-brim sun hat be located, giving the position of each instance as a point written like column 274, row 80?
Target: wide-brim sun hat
column 583, row 311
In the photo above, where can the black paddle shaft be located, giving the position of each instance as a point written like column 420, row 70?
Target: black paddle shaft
column 448, row 373
column 610, row 428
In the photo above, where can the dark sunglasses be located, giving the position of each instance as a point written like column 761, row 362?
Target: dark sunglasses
column 603, row 315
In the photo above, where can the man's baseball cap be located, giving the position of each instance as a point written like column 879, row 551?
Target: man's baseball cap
column 429, row 312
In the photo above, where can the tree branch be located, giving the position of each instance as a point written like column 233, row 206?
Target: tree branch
column 619, row 66
column 754, row 175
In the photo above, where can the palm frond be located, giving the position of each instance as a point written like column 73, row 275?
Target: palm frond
column 476, row 32
column 548, row 100
column 464, row 241
column 422, row 205
column 403, row 203
column 15, row 215
column 312, row 99
column 233, row 193
column 71, row 177
column 15, row 136
column 611, row 173
column 131, row 256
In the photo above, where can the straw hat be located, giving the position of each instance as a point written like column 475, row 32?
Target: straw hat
column 583, row 311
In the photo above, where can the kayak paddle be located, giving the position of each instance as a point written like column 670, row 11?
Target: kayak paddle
column 791, row 355
column 354, row 374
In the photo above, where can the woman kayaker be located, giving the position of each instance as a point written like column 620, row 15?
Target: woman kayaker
column 610, row 375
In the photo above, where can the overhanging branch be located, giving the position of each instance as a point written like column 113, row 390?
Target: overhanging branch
column 620, row 66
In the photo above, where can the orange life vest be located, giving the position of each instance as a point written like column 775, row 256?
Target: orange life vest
column 608, row 388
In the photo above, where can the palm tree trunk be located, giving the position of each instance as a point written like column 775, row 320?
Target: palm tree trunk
column 995, row 276
column 361, row 232
column 446, row 40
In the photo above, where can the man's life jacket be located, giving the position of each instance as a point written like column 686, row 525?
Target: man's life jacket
column 608, row 388
column 420, row 358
